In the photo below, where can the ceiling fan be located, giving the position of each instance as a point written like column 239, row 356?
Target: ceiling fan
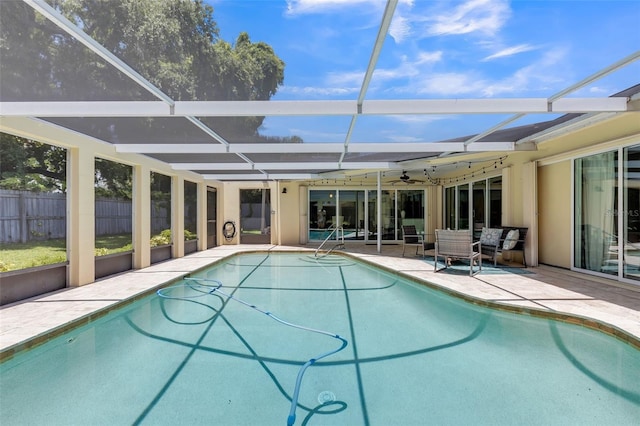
column 404, row 178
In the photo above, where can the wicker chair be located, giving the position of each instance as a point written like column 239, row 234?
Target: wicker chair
column 457, row 245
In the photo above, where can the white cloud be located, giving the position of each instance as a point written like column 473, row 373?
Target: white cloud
column 313, row 91
column 303, row 7
column 400, row 28
column 450, row 84
column 418, row 119
column 599, row 90
column 315, row 136
column 510, row 51
column 407, row 68
column 542, row 75
column 484, row 16
column 345, row 79
column 429, row 57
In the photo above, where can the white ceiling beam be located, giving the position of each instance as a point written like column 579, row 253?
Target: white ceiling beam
column 200, row 125
column 261, row 177
column 584, row 105
column 212, row 166
column 489, row 146
column 312, row 108
column 388, row 147
column 264, row 108
column 455, row 106
column 86, row 109
column 385, row 24
column 312, row 148
column 597, row 75
column 287, row 148
column 172, row 148
column 298, row 165
column 383, row 30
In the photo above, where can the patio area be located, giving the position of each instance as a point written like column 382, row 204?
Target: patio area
column 542, row 291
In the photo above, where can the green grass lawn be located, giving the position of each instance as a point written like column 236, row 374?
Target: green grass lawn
column 35, row 253
column 15, row 256
column 108, row 244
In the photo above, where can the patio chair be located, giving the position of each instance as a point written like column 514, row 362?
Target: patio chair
column 510, row 244
column 410, row 237
column 457, row 245
column 490, row 243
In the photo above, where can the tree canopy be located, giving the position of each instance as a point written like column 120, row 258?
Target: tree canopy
column 28, row 165
column 175, row 45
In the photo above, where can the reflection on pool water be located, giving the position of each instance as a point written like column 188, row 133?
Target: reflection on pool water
column 413, row 356
column 318, row 234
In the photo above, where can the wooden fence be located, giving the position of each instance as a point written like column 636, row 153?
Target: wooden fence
column 28, row 216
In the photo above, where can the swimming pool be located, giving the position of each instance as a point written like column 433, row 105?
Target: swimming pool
column 413, row 356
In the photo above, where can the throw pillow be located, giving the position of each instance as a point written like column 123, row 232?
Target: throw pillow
column 511, row 239
column 490, row 236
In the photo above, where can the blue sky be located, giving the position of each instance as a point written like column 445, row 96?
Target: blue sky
column 435, row 49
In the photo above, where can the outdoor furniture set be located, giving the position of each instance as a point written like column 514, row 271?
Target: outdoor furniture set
column 459, row 244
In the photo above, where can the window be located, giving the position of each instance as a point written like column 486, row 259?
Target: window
column 479, row 202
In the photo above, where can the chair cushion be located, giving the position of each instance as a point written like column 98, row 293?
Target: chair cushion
column 490, row 236
column 511, row 239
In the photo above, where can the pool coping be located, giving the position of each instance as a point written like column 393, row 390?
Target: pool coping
column 413, row 270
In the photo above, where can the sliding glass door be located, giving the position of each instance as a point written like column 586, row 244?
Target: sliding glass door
column 479, row 201
column 352, row 214
column 388, row 222
column 255, row 216
column 357, row 212
column 607, row 213
column 474, row 205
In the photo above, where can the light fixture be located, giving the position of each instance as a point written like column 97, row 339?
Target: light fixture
column 284, row 190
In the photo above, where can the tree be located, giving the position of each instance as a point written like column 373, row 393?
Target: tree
column 113, row 180
column 33, row 166
column 173, row 44
column 29, row 165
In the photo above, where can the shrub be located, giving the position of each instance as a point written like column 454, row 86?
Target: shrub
column 164, row 237
column 161, row 239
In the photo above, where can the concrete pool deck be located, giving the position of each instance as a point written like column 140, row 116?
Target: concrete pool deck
column 545, row 291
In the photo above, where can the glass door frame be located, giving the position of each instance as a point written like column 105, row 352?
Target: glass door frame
column 621, row 211
column 452, row 209
column 391, row 221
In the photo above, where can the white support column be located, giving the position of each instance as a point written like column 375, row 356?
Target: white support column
column 433, row 206
column 303, row 206
column 177, row 216
column 530, row 210
column 141, row 217
column 80, row 216
column 379, row 211
column 507, row 197
column 202, row 216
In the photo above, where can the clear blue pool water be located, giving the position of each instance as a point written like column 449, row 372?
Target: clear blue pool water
column 414, row 356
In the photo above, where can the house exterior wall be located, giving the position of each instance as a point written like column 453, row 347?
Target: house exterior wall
column 554, row 220
column 289, row 213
